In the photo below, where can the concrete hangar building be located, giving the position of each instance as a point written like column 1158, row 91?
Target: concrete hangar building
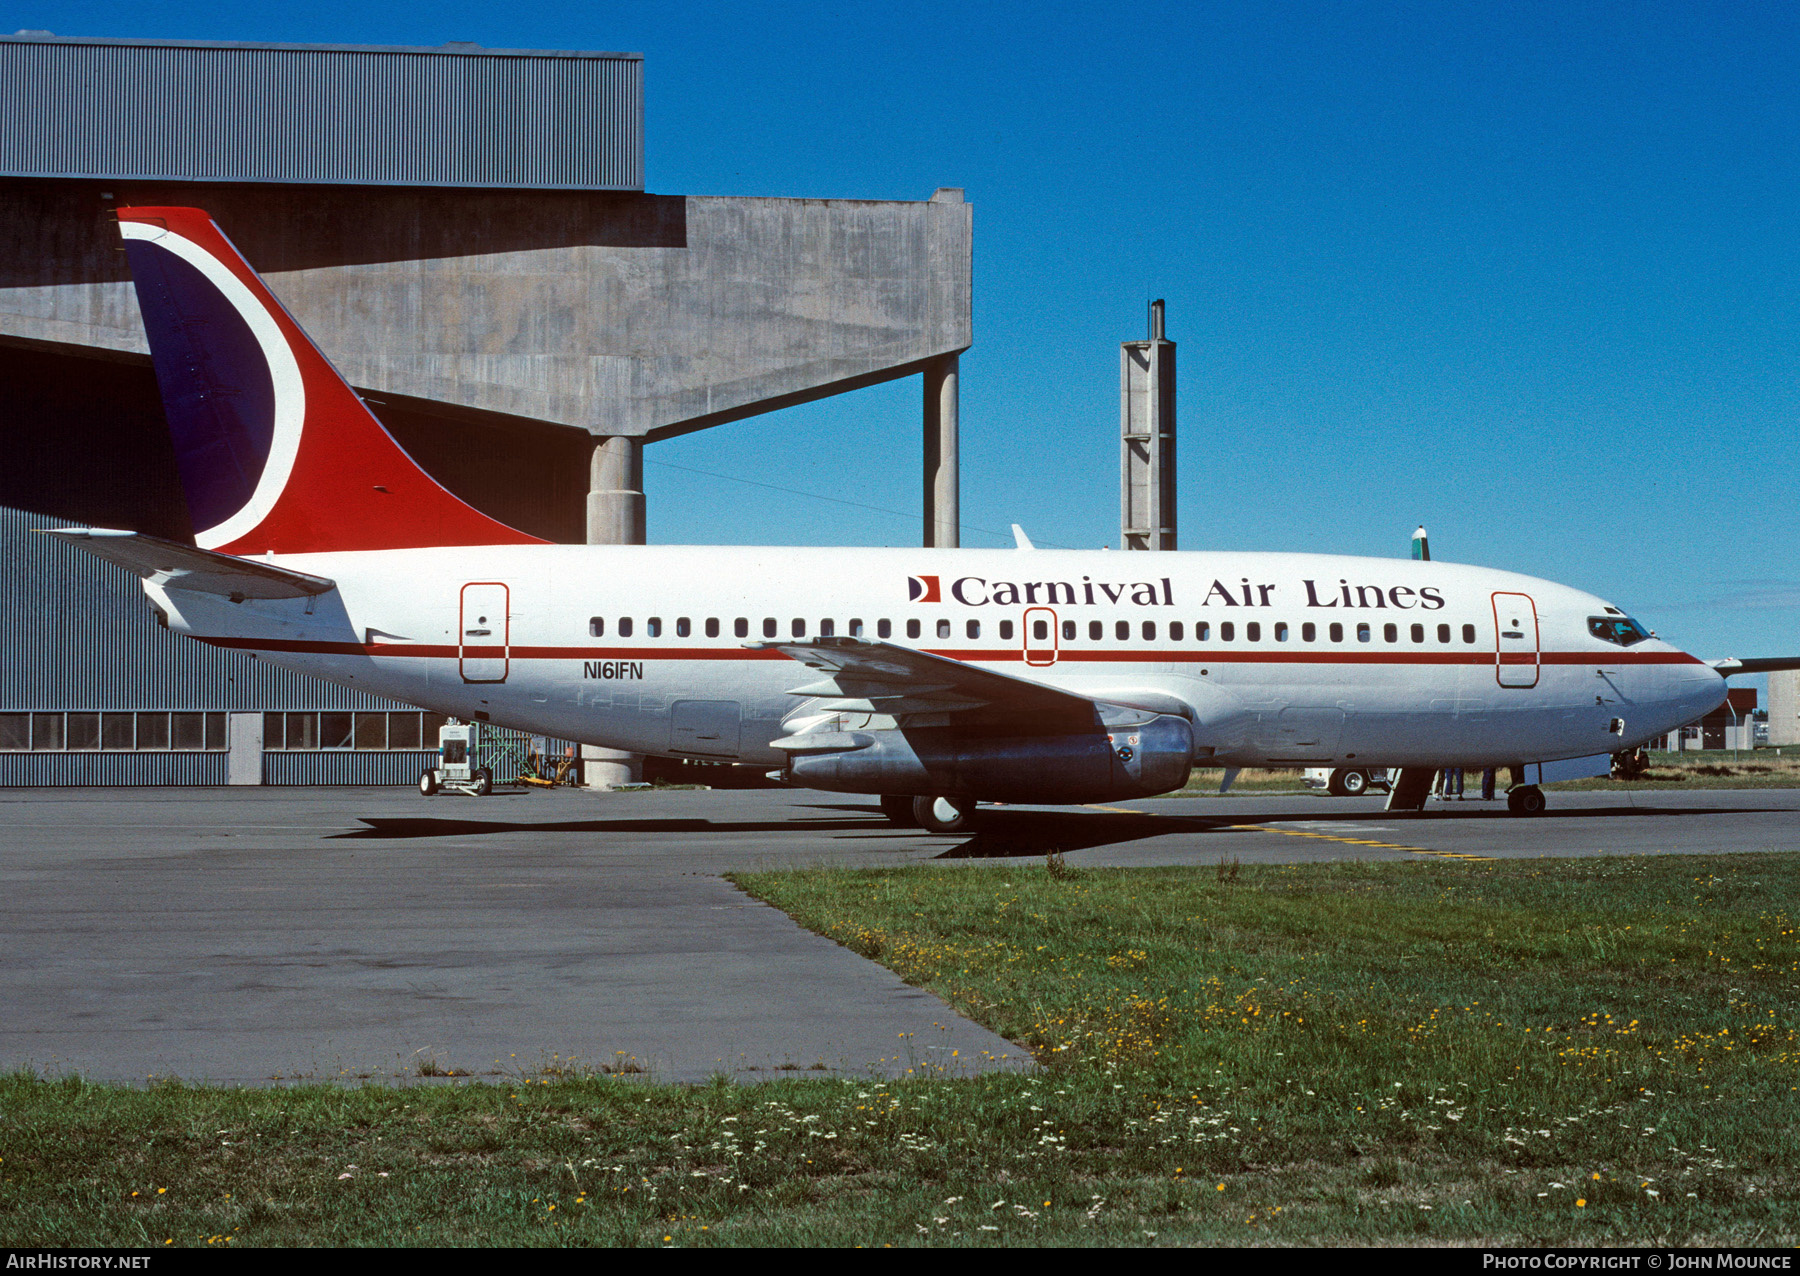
column 466, row 233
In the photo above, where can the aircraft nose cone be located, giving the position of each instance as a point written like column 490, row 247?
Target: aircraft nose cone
column 1699, row 690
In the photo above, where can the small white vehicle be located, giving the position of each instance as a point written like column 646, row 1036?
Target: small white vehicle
column 455, row 769
column 1348, row 781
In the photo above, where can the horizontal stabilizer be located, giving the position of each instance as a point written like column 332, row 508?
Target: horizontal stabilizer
column 1768, row 664
column 177, row 566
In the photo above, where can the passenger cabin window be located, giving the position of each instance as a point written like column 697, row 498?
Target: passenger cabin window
column 1040, row 630
column 596, row 627
column 1443, row 633
column 1309, row 632
column 1468, row 633
column 653, row 627
column 683, row 626
column 1202, row 631
column 1363, row 633
column 798, row 627
column 1176, row 631
column 624, row 626
column 1619, row 630
column 912, row 629
column 943, row 629
column 740, row 627
column 1281, row 631
column 973, row 629
column 768, row 626
column 827, row 628
column 856, row 628
column 1149, row 631
column 1227, row 631
column 1418, row 633
column 1253, row 632
column 1122, row 630
column 884, row 629
column 1390, row 633
column 1068, row 627
column 1006, row 630
column 1096, row 631
column 712, row 626
column 1336, row 633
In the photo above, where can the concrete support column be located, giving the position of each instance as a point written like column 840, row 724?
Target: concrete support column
column 615, row 503
column 610, row 768
column 942, row 515
column 615, row 516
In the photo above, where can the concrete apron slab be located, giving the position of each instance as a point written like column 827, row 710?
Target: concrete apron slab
column 257, row 965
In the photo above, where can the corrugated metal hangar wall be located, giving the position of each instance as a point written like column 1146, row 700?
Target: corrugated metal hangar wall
column 465, row 232
column 351, row 115
column 93, row 691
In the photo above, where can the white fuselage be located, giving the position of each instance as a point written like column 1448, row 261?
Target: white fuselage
column 534, row 637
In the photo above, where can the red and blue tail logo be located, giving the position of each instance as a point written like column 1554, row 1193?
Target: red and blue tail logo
column 276, row 452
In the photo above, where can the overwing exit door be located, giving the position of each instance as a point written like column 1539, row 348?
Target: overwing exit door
column 1515, row 640
column 1040, row 636
column 484, row 636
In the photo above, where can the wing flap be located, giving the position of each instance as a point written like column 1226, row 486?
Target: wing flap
column 177, row 566
column 868, row 676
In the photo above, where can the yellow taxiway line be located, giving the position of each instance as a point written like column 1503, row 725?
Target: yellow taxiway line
column 1321, row 837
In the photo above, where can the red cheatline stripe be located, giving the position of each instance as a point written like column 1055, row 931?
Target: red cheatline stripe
column 1484, row 659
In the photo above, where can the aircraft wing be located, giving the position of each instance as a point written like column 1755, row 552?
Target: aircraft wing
column 861, row 675
column 1770, row 664
column 180, row 566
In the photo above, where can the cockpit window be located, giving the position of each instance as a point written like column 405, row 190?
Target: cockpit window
column 1621, row 631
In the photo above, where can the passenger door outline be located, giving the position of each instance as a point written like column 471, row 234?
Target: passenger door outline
column 1039, row 651
column 479, row 614
column 1517, row 649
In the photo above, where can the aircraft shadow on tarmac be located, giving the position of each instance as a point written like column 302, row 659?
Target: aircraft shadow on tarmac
column 1006, row 833
column 376, row 827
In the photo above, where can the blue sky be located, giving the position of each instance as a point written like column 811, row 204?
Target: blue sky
column 1528, row 274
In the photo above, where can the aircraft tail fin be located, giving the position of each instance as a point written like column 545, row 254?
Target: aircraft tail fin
column 277, row 453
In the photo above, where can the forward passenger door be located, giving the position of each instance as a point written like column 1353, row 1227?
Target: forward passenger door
column 1516, row 650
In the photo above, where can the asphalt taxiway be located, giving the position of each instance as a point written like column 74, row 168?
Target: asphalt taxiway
column 256, row 935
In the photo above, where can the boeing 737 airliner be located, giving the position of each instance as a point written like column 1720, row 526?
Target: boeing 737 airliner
column 934, row 678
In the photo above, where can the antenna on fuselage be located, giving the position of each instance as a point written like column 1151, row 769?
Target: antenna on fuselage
column 1421, row 546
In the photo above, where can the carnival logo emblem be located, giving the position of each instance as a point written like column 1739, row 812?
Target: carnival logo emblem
column 922, row 589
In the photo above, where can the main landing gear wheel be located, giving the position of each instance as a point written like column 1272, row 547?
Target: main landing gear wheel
column 899, row 811
column 428, row 783
column 1351, row 783
column 1528, row 799
column 944, row 814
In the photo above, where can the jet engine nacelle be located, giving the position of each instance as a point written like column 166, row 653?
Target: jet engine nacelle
column 1152, row 756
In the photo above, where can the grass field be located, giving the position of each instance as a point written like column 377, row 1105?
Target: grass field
column 1516, row 1052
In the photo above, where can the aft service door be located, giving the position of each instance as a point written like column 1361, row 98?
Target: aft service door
column 1515, row 640
column 1040, row 636
column 484, row 638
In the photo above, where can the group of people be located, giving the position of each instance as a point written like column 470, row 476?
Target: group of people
column 1449, row 784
